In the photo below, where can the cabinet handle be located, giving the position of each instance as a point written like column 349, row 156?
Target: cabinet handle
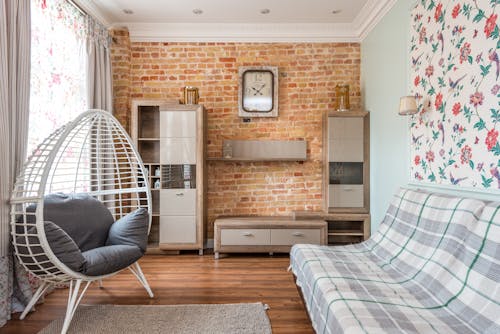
column 179, row 194
column 298, row 234
column 247, row 234
column 348, row 189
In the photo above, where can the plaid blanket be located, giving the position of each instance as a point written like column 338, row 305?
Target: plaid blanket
column 432, row 267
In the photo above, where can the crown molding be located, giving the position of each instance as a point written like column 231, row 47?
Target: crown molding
column 370, row 15
column 240, row 32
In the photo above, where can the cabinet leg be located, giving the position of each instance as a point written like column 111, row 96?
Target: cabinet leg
column 200, row 252
column 216, row 255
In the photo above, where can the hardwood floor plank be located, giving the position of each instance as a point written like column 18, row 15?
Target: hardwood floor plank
column 191, row 279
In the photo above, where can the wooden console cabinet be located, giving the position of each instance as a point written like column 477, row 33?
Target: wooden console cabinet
column 266, row 234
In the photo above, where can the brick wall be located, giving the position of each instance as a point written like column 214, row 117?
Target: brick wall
column 309, row 73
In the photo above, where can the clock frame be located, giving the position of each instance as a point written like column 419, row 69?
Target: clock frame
column 254, row 82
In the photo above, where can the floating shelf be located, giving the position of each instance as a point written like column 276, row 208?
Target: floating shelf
column 264, row 150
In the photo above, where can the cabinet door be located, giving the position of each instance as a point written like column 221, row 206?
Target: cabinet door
column 346, row 196
column 178, row 151
column 178, row 202
column 177, row 229
column 177, row 124
column 345, row 139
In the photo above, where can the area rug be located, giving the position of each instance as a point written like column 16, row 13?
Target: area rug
column 172, row 319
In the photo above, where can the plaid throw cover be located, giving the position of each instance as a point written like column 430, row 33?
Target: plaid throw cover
column 432, row 267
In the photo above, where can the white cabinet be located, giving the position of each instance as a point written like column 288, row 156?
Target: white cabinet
column 178, row 151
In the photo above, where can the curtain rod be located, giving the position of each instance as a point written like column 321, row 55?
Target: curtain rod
column 80, row 9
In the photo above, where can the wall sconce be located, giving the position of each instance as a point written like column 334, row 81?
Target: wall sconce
column 408, row 106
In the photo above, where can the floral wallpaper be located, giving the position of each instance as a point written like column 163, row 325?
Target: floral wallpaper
column 455, row 70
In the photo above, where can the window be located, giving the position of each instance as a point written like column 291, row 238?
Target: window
column 58, row 86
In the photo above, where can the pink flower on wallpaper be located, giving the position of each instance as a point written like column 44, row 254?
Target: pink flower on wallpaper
column 439, row 101
column 417, row 160
column 422, row 35
column 456, row 11
column 417, row 80
column 477, row 99
column 465, row 52
column 44, row 4
column 465, row 154
column 495, row 89
column 491, row 139
column 442, row 152
column 438, row 12
column 491, row 22
column 430, row 156
column 456, row 108
column 429, row 71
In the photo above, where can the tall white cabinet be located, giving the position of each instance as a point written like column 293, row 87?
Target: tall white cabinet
column 171, row 140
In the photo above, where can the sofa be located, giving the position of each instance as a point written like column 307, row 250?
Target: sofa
column 432, row 267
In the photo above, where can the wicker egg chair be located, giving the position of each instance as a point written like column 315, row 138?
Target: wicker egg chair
column 85, row 173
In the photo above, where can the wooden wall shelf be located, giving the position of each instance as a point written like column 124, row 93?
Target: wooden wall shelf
column 263, row 150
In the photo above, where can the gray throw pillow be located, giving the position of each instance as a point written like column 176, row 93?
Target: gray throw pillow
column 85, row 219
column 61, row 244
column 130, row 230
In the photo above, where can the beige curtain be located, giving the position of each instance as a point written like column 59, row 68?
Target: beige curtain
column 15, row 42
column 99, row 79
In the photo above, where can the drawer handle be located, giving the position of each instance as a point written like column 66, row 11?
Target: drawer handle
column 348, row 189
column 298, row 234
column 179, row 194
column 247, row 234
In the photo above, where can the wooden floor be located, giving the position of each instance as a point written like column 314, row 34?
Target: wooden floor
column 191, row 279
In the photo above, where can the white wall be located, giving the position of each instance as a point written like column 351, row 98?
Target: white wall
column 384, row 79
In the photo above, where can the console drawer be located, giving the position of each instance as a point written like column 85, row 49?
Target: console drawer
column 289, row 237
column 245, row 237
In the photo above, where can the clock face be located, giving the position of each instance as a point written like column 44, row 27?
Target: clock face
column 258, row 86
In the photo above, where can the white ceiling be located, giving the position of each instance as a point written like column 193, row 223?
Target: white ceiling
column 241, row 20
column 231, row 11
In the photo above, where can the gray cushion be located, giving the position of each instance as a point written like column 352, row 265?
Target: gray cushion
column 108, row 259
column 61, row 244
column 130, row 230
column 85, row 219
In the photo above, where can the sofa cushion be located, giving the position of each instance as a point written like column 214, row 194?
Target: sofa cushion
column 61, row 244
column 85, row 219
column 109, row 259
column 131, row 230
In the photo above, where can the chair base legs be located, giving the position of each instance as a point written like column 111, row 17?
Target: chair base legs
column 136, row 270
column 39, row 292
column 74, row 298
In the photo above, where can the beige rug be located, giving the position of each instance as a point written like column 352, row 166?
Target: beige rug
column 171, row 319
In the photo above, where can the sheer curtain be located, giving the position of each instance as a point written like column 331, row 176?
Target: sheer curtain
column 58, row 85
column 14, row 111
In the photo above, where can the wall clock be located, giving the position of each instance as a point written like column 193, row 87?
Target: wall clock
column 258, row 91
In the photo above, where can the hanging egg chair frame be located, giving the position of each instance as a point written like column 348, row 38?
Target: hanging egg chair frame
column 93, row 154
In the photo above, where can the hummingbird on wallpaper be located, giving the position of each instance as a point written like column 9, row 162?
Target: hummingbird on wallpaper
column 415, row 61
column 441, row 39
column 415, row 139
column 456, row 181
column 493, row 56
column 495, row 173
column 441, row 128
column 454, row 84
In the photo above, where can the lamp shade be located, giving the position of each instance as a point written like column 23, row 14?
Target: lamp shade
column 408, row 105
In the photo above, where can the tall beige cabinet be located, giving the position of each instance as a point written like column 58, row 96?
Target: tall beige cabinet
column 347, row 175
column 170, row 138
